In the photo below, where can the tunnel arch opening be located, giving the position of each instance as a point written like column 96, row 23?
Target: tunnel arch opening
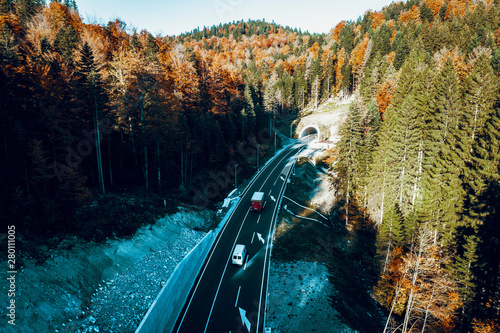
column 309, row 130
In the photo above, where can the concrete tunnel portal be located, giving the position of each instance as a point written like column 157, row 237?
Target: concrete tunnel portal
column 308, row 130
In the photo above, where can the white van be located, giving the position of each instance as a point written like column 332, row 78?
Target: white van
column 239, row 254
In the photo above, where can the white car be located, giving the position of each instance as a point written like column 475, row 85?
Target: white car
column 239, row 254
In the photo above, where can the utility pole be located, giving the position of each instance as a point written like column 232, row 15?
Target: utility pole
column 235, row 178
column 258, row 146
column 274, row 143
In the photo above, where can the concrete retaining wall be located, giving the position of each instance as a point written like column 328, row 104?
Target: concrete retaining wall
column 163, row 313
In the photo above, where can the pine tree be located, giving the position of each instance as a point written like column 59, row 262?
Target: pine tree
column 349, row 153
column 487, row 269
column 65, row 42
column 443, row 193
column 6, row 7
column 480, row 94
column 462, row 271
column 426, row 13
column 92, row 98
column 71, row 4
column 405, row 153
column 27, row 8
column 390, row 233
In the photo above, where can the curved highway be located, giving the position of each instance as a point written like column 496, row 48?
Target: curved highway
column 230, row 298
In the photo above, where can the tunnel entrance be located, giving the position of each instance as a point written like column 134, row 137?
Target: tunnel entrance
column 309, row 130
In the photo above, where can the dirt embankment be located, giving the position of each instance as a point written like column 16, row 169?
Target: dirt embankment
column 87, row 287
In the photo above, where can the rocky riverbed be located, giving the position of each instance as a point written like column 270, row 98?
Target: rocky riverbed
column 299, row 299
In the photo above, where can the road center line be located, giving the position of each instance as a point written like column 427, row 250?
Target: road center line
column 237, row 297
column 224, row 272
column 285, row 156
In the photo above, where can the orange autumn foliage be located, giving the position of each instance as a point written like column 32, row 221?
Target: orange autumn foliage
column 488, row 3
column 490, row 326
column 358, row 55
column 435, row 6
column 13, row 23
column 61, row 16
column 377, row 19
column 336, row 31
column 384, row 96
column 391, row 24
column 458, row 7
column 394, row 32
column 390, row 57
column 459, row 61
column 411, row 15
column 314, row 49
column 341, row 59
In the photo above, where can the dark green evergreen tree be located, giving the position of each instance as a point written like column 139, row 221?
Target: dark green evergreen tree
column 443, row 193
column 27, row 8
column 349, row 149
column 426, row 13
column 6, row 7
column 65, row 43
column 390, row 234
column 462, row 271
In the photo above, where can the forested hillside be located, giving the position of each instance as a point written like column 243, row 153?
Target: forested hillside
column 90, row 109
column 419, row 157
column 168, row 113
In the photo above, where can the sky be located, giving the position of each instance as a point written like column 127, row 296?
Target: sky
column 167, row 17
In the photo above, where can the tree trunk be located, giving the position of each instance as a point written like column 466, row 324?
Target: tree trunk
column 146, row 176
column 417, row 180
column 427, row 308
column 109, row 160
column 414, row 280
column 98, row 149
column 383, row 198
column 387, row 255
column 158, row 163
column 27, row 182
column 347, row 204
column 6, row 151
column 394, row 302
column 182, row 167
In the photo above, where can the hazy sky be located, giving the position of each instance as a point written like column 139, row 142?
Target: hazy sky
column 167, row 17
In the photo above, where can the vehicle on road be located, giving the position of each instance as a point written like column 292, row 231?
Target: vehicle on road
column 257, row 201
column 239, row 254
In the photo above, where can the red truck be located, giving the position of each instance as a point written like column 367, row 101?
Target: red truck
column 257, row 201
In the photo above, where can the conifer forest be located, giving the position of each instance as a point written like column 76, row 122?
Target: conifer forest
column 92, row 110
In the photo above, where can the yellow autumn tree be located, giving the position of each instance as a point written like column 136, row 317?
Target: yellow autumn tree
column 410, row 15
column 357, row 60
column 417, row 288
column 384, row 95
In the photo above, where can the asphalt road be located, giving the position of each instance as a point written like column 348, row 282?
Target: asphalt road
column 230, row 298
